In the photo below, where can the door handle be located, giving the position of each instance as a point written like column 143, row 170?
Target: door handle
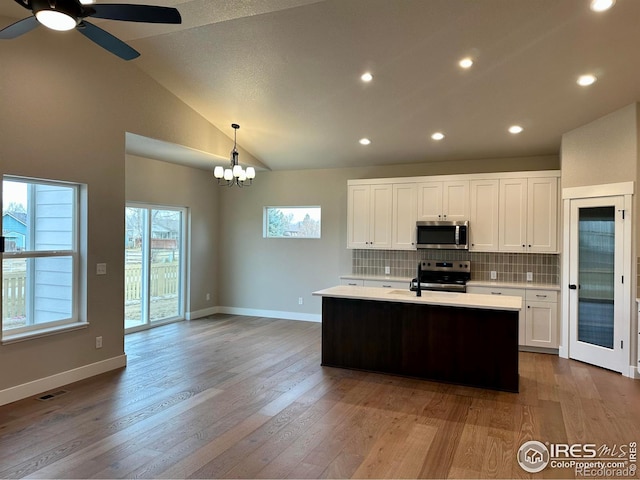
column 572, row 286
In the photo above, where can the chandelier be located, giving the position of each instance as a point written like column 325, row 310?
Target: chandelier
column 235, row 174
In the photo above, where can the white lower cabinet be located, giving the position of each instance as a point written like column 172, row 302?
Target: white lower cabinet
column 361, row 282
column 541, row 318
column 538, row 318
column 386, row 284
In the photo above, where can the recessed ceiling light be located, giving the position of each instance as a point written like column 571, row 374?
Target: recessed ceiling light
column 515, row 129
column 438, row 136
column 364, row 141
column 366, row 77
column 586, row 80
column 602, row 5
column 465, row 62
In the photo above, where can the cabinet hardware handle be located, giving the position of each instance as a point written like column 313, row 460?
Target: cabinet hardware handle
column 386, row 286
column 572, row 286
column 529, row 246
column 353, row 284
column 496, row 293
column 523, row 245
column 541, row 296
column 528, row 306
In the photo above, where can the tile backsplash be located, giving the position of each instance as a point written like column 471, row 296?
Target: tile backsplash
column 510, row 267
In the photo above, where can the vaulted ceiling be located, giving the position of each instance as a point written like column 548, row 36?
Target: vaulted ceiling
column 288, row 71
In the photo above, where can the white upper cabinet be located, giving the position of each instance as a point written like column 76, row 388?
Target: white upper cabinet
column 513, row 215
column 483, row 218
column 507, row 211
column 404, row 215
column 448, row 200
column 542, row 219
column 528, row 214
column 369, row 216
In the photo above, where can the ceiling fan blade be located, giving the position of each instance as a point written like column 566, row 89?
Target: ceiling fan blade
column 21, row 26
column 136, row 13
column 107, row 41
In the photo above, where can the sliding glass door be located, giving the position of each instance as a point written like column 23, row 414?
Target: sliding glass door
column 154, row 265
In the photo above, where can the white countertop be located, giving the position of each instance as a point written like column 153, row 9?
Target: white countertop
column 470, row 283
column 450, row 299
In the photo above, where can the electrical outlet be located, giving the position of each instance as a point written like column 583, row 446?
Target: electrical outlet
column 529, row 276
column 299, row 300
column 98, row 342
column 494, row 275
column 387, row 270
column 208, row 297
column 101, row 268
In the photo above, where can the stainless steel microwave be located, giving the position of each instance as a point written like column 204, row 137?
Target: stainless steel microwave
column 453, row 235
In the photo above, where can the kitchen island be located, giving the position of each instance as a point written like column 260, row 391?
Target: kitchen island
column 462, row 338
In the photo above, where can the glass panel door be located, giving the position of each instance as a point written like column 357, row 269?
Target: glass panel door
column 154, row 266
column 596, row 289
column 596, row 269
column 165, row 278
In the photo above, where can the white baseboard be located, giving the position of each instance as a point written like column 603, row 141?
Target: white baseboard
column 201, row 313
column 251, row 312
column 633, row 372
column 35, row 387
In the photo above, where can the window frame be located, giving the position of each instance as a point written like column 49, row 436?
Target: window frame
column 76, row 320
column 265, row 221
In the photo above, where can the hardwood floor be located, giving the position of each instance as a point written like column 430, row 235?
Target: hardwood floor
column 243, row 397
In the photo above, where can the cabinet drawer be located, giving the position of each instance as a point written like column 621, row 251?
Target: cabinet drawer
column 354, row 282
column 542, row 296
column 514, row 292
column 386, row 284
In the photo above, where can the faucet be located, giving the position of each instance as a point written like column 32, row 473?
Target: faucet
column 418, row 291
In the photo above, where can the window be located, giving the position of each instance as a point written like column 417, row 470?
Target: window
column 40, row 266
column 291, row 222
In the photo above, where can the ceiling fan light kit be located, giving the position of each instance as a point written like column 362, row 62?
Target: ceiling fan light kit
column 60, row 16
column 63, row 15
column 235, row 174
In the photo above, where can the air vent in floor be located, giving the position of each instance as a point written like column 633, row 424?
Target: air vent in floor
column 51, row 395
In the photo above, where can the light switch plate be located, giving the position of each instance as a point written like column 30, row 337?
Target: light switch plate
column 494, row 275
column 387, row 270
column 529, row 276
column 101, row 269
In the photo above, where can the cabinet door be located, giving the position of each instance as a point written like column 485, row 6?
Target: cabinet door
column 542, row 214
column 483, row 218
column 405, row 208
column 512, row 232
column 387, row 284
column 430, row 201
column 542, row 324
column 455, row 200
column 380, row 216
column 358, row 199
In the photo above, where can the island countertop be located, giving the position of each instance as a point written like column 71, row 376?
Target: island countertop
column 464, row 300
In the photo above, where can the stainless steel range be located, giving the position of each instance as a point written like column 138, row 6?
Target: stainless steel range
column 449, row 276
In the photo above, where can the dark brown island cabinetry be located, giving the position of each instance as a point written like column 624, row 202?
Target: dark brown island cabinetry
column 462, row 345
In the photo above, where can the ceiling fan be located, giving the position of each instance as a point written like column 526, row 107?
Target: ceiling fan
column 69, row 14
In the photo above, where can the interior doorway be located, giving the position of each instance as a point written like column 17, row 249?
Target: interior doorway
column 154, row 265
column 597, row 266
